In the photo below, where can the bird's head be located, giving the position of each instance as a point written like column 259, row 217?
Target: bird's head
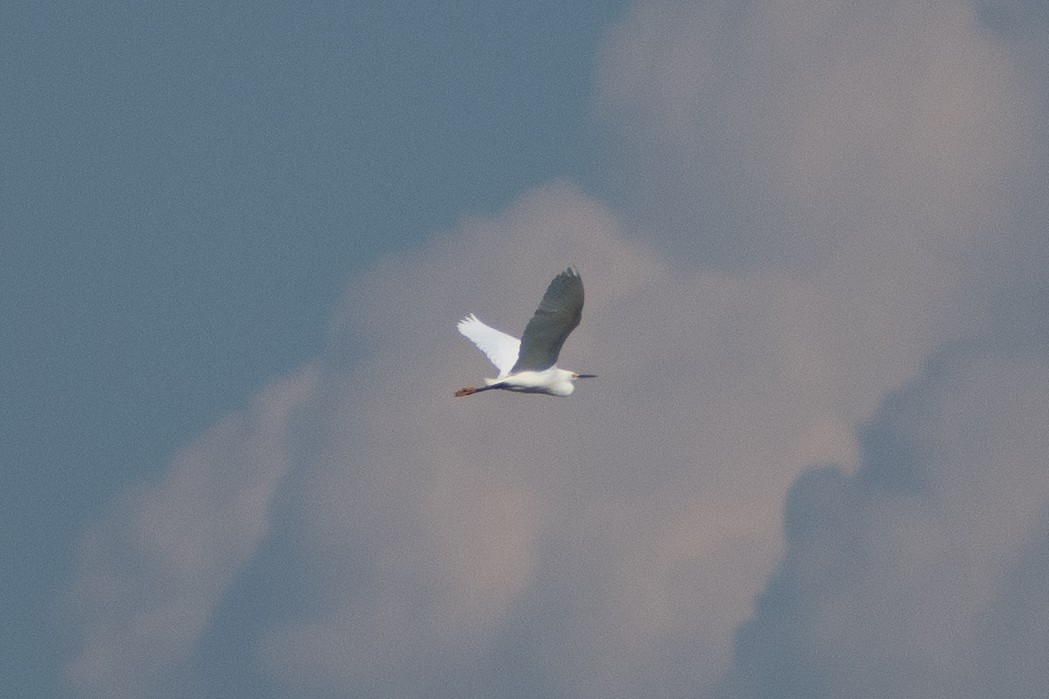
column 565, row 383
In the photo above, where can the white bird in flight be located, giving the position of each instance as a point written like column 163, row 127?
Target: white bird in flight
column 529, row 365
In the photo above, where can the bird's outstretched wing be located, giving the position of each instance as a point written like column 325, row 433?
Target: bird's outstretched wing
column 558, row 315
column 501, row 348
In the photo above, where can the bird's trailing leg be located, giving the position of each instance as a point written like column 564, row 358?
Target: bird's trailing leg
column 470, row 390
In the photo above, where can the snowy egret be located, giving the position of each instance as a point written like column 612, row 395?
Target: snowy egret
column 529, row 365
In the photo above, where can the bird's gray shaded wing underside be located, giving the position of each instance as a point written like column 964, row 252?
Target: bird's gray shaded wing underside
column 558, row 315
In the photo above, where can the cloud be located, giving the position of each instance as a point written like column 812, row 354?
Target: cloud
column 907, row 578
column 609, row 541
column 822, row 197
column 774, row 133
column 151, row 572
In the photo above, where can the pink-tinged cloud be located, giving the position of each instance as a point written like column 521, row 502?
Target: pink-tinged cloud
column 151, row 572
column 612, row 539
column 784, row 133
column 817, row 188
column 905, row 579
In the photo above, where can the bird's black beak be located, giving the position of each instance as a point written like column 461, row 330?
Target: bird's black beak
column 586, row 376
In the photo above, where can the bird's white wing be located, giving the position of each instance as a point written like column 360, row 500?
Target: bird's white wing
column 501, row 348
column 558, row 315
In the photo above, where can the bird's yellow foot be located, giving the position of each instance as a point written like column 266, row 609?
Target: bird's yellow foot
column 469, row 391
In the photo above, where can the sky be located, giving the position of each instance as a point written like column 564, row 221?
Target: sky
column 237, row 240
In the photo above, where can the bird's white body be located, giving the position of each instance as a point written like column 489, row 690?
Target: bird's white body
column 553, row 381
column 528, row 365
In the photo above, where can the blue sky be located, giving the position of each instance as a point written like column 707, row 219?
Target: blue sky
column 236, row 243
column 186, row 190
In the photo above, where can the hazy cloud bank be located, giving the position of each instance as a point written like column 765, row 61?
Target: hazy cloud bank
column 825, row 198
column 922, row 574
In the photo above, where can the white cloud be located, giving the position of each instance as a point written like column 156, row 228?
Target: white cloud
column 782, row 132
column 600, row 532
column 152, row 570
column 894, row 577
column 836, row 174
